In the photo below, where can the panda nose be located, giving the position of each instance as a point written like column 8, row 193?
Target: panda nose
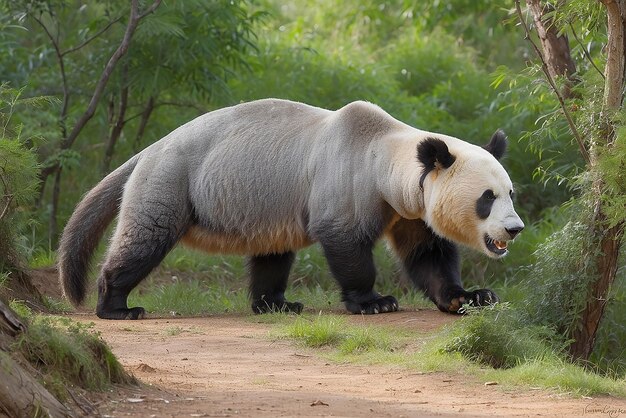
column 514, row 231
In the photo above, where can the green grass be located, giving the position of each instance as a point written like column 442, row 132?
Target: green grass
column 334, row 331
column 67, row 353
column 521, row 359
column 42, row 258
column 190, row 298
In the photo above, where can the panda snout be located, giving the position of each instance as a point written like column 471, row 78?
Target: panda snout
column 513, row 231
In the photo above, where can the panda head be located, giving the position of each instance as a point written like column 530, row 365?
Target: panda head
column 468, row 196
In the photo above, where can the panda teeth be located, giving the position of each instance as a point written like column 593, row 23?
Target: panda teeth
column 500, row 245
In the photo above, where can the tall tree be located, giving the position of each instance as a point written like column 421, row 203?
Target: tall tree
column 44, row 15
column 606, row 231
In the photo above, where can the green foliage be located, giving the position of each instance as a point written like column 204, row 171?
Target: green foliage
column 497, row 336
column 612, row 169
column 18, row 171
column 565, row 273
column 68, row 352
column 193, row 46
column 507, row 349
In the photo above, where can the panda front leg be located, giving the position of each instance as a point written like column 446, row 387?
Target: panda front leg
column 433, row 265
column 352, row 264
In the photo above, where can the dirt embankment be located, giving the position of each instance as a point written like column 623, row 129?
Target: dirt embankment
column 226, row 366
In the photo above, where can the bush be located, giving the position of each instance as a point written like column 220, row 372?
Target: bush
column 498, row 337
column 18, row 175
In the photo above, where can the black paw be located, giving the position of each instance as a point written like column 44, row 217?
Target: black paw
column 132, row 313
column 380, row 304
column 480, row 297
column 483, row 297
column 264, row 306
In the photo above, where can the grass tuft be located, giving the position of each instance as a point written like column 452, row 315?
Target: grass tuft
column 496, row 337
column 322, row 331
column 334, row 331
column 68, row 352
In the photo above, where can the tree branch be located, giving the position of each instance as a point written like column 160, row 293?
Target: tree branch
column 587, row 55
column 121, row 50
column 544, row 67
column 87, row 41
column 150, row 9
column 66, row 91
column 8, row 196
column 116, row 130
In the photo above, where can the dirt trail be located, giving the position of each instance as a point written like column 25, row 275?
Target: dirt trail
column 226, row 366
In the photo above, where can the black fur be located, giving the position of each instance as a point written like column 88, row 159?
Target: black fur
column 484, row 204
column 268, row 281
column 433, row 265
column 350, row 259
column 497, row 145
column 129, row 264
column 431, row 151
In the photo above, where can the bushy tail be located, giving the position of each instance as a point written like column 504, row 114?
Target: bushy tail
column 85, row 229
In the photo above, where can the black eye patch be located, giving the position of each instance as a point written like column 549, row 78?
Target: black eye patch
column 484, row 204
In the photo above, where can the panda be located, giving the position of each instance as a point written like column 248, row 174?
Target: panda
column 269, row 177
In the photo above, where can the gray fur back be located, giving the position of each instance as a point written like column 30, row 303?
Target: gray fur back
column 265, row 172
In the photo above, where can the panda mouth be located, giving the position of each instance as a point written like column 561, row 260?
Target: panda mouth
column 495, row 246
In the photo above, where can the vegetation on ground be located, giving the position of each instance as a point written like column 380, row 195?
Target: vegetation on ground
column 480, row 345
column 67, row 354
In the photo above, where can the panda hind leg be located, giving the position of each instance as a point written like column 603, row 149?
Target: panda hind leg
column 141, row 241
column 268, row 282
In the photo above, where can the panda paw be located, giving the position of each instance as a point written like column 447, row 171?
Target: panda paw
column 480, row 297
column 264, row 306
column 380, row 304
column 132, row 313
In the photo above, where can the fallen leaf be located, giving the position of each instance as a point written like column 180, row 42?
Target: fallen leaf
column 319, row 403
column 491, row 383
column 134, row 400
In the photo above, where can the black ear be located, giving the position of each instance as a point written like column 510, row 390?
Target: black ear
column 497, row 145
column 430, row 152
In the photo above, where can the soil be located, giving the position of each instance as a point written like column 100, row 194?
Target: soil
column 229, row 366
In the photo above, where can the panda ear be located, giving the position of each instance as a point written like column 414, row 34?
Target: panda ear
column 497, row 145
column 433, row 153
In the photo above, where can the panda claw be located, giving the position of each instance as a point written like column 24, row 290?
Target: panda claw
column 380, row 304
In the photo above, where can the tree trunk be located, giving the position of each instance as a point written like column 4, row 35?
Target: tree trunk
column 609, row 241
column 557, row 60
column 68, row 141
column 21, row 395
column 556, row 50
column 116, row 131
column 145, row 116
column 53, row 227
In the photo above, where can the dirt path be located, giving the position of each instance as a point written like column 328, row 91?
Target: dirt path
column 227, row 366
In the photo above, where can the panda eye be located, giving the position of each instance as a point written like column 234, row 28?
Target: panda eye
column 489, row 195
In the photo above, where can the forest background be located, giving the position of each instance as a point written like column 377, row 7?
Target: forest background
column 85, row 85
